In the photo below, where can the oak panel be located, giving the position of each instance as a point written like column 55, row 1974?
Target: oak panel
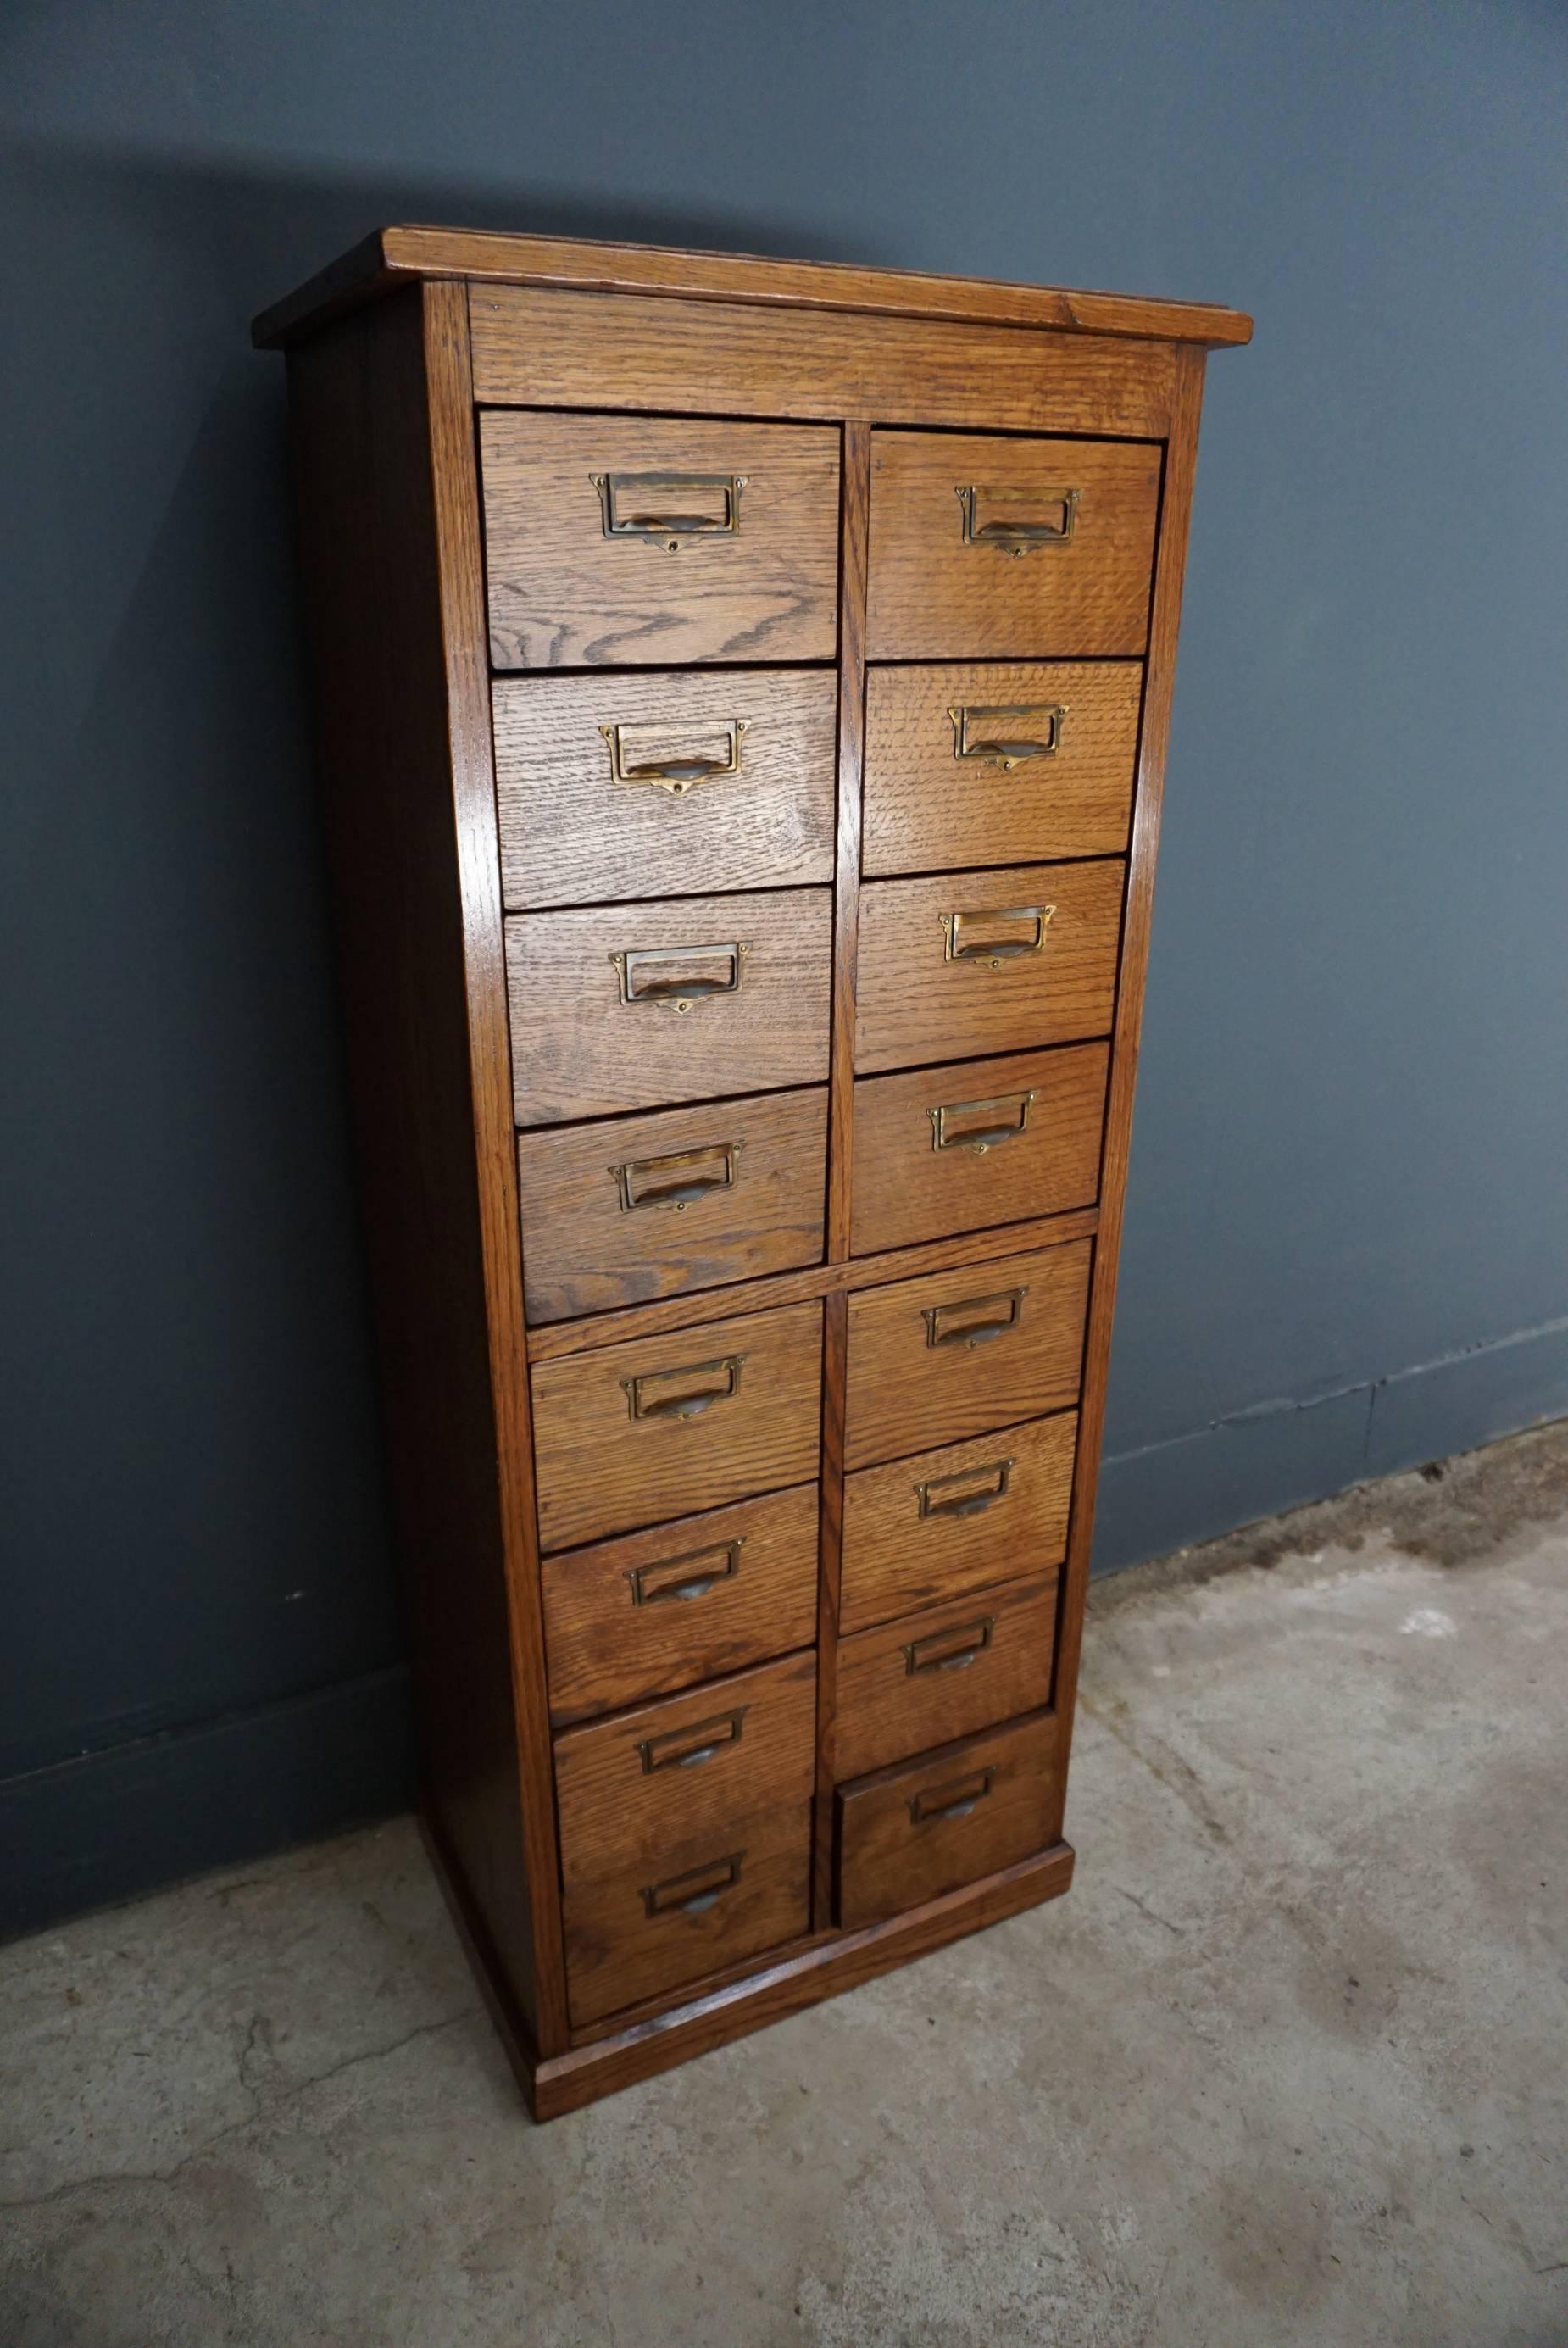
column 981, row 1142
column 930, row 1677
column 1068, row 793
column 616, row 1213
column 935, row 596
column 914, row 1831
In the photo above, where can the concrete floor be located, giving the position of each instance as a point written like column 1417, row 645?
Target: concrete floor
column 1288, row 2065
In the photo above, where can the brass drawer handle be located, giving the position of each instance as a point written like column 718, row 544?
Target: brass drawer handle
column 939, row 1654
column 988, row 1136
column 664, row 508
column 676, row 775
column 696, row 1572
column 954, row 1800
column 676, row 1749
column 672, row 978
column 942, row 1330
column 696, row 1889
column 676, row 1180
column 996, row 747
column 686, row 1402
column 989, row 951
column 971, row 1499
column 1017, row 536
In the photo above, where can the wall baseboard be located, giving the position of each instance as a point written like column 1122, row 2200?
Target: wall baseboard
column 92, row 1832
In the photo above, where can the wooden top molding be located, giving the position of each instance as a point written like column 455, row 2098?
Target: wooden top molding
column 394, row 257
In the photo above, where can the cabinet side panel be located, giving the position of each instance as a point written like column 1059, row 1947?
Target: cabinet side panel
column 362, row 434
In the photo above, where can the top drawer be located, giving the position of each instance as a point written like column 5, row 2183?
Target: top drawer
column 984, row 547
column 624, row 541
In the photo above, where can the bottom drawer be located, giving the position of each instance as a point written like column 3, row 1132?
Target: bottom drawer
column 706, row 1905
column 913, row 1832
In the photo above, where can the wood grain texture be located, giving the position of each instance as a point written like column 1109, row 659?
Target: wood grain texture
column 997, row 1506
column 571, row 835
column 926, row 810
column 913, row 1832
column 634, row 1791
column 551, row 350
column 581, row 1050
column 588, row 1251
column 382, row 434
column 559, row 1340
column 602, row 1471
column 856, row 473
column 1020, row 1138
column 659, row 1611
column 562, row 594
column 829, row 1541
column 934, row 597
column 944, row 1672
column 391, row 255
column 905, row 1393
column 918, row 1005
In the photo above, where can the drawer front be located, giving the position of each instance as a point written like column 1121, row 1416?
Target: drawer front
column 636, row 1006
column 659, row 1428
column 630, row 1790
column 696, row 1908
column 938, row 1359
column 1009, row 764
column 987, row 1141
column 638, row 1617
column 989, row 548
column 657, row 786
column 636, row 542
column 930, row 1677
column 955, row 1520
column 655, row 1205
column 969, row 963
column 925, row 1827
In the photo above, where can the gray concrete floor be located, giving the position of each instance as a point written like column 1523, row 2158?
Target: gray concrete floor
column 1287, row 2065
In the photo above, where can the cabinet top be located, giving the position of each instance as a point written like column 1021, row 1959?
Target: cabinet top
column 391, row 257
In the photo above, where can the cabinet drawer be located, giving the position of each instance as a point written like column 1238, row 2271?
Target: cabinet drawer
column 988, row 549
column 1001, row 764
column 969, row 963
column 912, row 1832
column 624, row 540
column 632, row 1006
column 930, row 1677
column 956, row 1520
column 985, row 1141
column 658, row 1428
column 631, row 1790
column 949, row 1356
column 695, row 1907
column 653, row 1206
column 656, row 786
column 656, row 1610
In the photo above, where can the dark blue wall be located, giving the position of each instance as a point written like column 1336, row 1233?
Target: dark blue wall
column 1346, row 1245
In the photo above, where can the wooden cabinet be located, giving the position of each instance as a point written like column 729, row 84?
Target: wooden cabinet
column 744, row 690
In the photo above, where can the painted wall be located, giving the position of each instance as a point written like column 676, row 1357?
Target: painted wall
column 1346, row 1246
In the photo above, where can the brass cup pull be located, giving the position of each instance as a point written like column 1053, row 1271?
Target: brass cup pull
column 949, row 1651
column 1049, row 517
column 678, row 1580
column 945, row 1325
column 676, row 775
column 961, row 1494
column 954, row 1800
column 672, row 978
column 677, row 1179
column 685, row 1748
column 991, row 1133
column 666, row 508
column 994, row 746
column 694, row 1891
column 991, row 946
column 645, row 1397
